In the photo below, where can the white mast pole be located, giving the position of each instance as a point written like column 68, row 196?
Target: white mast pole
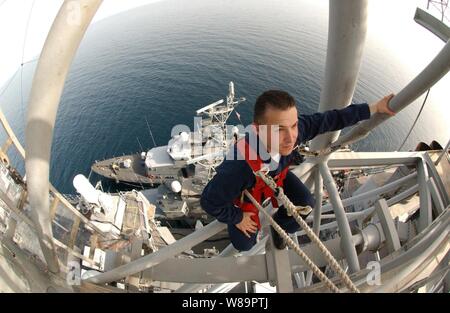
column 56, row 57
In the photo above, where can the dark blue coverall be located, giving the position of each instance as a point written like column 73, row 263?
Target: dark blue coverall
column 234, row 176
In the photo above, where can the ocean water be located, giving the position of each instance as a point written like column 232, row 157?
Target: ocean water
column 161, row 62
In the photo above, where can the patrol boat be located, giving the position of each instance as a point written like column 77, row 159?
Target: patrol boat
column 186, row 154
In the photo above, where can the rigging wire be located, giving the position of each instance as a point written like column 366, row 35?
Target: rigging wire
column 415, row 121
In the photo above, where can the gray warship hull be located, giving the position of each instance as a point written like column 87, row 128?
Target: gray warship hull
column 113, row 169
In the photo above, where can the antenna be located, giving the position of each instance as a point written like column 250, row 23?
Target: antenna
column 142, row 149
column 209, row 106
column 150, row 132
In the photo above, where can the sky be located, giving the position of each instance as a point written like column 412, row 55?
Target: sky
column 24, row 25
column 386, row 24
column 14, row 27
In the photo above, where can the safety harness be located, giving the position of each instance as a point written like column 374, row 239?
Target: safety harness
column 260, row 190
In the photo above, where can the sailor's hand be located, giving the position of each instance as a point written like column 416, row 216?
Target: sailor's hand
column 382, row 106
column 247, row 225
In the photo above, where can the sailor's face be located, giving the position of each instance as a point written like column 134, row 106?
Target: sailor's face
column 279, row 130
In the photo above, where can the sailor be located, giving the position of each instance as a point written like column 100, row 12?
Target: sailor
column 269, row 144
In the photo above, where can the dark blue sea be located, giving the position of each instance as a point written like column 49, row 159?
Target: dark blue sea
column 163, row 61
